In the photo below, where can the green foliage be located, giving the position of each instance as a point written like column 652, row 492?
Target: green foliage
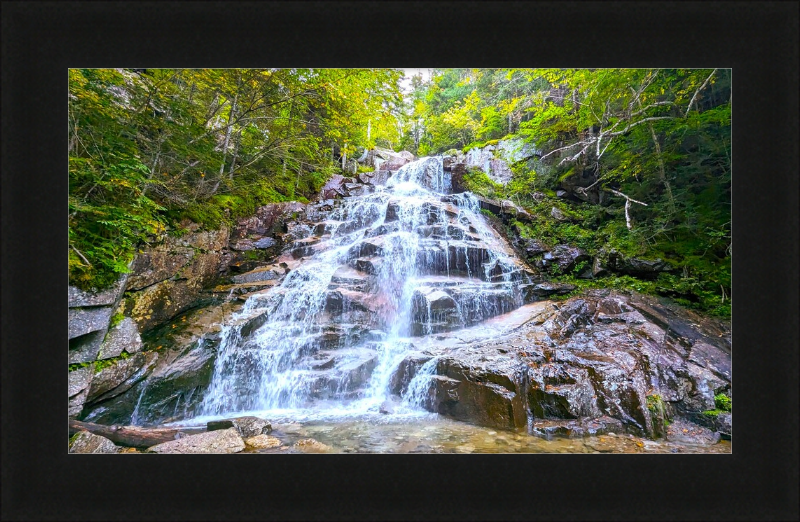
column 661, row 137
column 476, row 181
column 151, row 147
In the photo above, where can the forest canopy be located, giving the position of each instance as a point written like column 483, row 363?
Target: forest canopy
column 151, row 148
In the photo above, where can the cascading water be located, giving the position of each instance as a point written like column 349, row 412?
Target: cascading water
column 407, row 260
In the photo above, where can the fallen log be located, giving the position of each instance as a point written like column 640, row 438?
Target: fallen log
column 132, row 436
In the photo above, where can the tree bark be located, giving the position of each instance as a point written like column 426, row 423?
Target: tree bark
column 132, row 436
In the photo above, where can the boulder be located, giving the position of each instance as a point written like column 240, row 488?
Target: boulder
column 246, row 426
column 122, row 337
column 268, row 220
column 564, row 258
column 558, row 215
column 262, row 442
column 219, row 441
column 334, row 188
column 85, row 442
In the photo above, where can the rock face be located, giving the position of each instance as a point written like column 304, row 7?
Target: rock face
column 85, row 442
column 79, row 381
column 220, row 441
column 588, row 365
column 89, row 315
column 493, row 159
column 122, row 337
column 167, row 279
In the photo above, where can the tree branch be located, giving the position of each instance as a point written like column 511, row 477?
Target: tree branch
column 691, row 102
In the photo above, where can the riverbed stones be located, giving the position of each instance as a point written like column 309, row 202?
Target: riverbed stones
column 219, row 441
column 248, row 426
column 85, row 442
column 262, row 442
column 311, row 446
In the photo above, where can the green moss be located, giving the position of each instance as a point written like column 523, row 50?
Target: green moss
column 723, row 402
column 115, row 320
column 76, row 366
column 105, row 363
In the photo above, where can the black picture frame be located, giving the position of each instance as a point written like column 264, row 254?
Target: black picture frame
column 759, row 41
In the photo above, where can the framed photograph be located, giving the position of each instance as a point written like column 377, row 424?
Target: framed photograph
column 363, row 272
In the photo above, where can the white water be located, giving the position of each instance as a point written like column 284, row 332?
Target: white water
column 436, row 265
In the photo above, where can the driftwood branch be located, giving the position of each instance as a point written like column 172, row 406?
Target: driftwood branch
column 132, row 436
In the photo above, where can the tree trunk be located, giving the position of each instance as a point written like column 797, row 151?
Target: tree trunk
column 231, row 118
column 132, row 436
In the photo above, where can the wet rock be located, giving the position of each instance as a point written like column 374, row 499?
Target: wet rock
column 85, row 442
column 311, row 446
column 643, row 268
column 575, row 428
column 123, row 337
column 262, row 442
column 334, row 188
column 119, row 379
column 723, row 425
column 538, row 291
column 561, row 392
column 220, row 441
column 79, row 380
column 684, row 432
column 245, row 245
column 380, row 177
column 479, row 385
column 174, row 384
column 246, row 426
column 532, row 247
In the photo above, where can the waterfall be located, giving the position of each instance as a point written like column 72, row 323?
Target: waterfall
column 408, row 259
